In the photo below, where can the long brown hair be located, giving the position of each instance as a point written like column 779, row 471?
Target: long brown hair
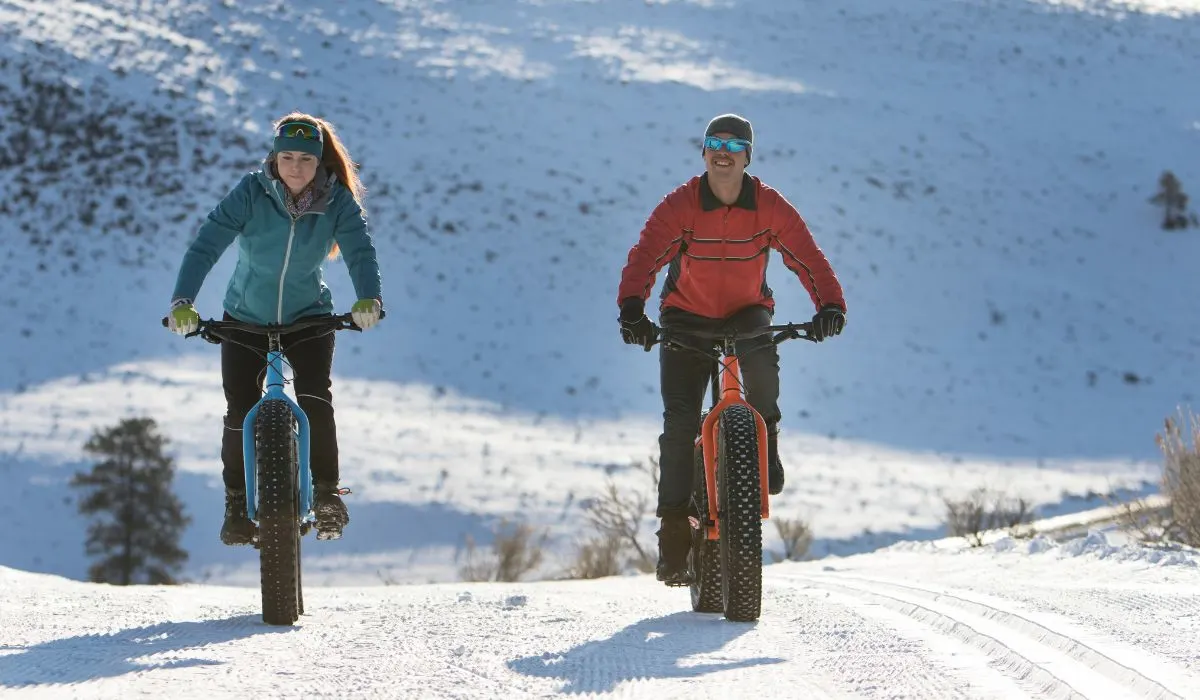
column 334, row 156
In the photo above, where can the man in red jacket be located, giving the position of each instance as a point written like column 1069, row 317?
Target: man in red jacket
column 715, row 234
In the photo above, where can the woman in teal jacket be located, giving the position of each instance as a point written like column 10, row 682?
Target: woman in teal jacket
column 302, row 207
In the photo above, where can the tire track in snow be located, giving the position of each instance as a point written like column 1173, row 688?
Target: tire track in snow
column 1047, row 655
column 1121, row 614
column 871, row 655
column 473, row 677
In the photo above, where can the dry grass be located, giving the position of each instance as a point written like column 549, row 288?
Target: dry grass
column 598, row 557
column 796, row 536
column 985, row 510
column 517, row 549
column 1181, row 477
column 616, row 516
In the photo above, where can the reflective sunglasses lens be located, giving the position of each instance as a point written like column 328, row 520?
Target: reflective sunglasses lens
column 732, row 145
column 294, row 130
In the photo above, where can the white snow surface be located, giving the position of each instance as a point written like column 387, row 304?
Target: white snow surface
column 1030, row 619
column 977, row 171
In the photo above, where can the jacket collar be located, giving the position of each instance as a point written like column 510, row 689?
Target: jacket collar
column 322, row 184
column 747, row 198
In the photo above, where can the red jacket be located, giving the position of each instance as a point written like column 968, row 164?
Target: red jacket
column 718, row 254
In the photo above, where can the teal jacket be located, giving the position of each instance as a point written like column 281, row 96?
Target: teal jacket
column 280, row 268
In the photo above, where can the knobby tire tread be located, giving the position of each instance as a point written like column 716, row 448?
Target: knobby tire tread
column 277, row 469
column 740, row 490
column 706, row 554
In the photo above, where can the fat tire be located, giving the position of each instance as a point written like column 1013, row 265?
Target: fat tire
column 740, row 515
column 277, row 470
column 299, row 581
column 705, row 558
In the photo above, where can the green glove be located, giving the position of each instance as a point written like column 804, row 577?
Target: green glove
column 183, row 318
column 366, row 312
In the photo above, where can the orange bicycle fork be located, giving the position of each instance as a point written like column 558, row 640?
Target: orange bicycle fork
column 731, row 394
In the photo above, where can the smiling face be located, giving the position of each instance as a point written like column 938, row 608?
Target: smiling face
column 296, row 169
column 723, row 164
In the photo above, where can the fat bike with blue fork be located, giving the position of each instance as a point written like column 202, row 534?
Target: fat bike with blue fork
column 279, row 486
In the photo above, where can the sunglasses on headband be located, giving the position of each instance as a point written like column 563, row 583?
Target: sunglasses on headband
column 292, row 130
column 732, row 145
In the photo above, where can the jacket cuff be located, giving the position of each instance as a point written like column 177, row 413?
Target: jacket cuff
column 632, row 308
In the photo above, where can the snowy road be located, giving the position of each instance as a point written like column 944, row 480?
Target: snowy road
column 1019, row 620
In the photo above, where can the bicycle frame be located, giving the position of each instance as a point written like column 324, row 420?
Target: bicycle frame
column 731, row 394
column 274, row 391
column 729, row 388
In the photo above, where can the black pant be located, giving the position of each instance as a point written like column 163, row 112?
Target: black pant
column 686, row 377
column 243, row 369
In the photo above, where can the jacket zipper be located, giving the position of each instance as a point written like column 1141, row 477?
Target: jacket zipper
column 724, row 254
column 287, row 256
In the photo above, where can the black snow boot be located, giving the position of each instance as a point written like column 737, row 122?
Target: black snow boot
column 331, row 513
column 674, row 545
column 774, row 466
column 237, row 529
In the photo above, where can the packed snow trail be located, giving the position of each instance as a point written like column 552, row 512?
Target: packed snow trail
column 1016, row 620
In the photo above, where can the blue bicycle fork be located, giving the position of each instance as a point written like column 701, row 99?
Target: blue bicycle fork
column 275, row 392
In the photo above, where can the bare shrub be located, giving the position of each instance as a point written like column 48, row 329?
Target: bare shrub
column 597, row 558
column 1011, row 513
column 796, row 536
column 477, row 567
column 985, row 510
column 965, row 518
column 1146, row 522
column 517, row 549
column 616, row 515
column 1181, row 477
column 650, row 469
column 616, row 518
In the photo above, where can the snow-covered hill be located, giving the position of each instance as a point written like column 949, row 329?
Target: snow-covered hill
column 978, row 172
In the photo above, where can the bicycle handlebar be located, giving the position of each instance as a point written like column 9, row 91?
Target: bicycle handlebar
column 787, row 331
column 210, row 327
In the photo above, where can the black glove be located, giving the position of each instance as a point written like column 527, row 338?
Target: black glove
column 828, row 322
column 636, row 329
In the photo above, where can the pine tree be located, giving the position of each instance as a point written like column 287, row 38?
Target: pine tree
column 1174, row 201
column 138, row 520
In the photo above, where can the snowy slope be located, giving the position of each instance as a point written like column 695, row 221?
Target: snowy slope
column 1088, row 619
column 977, row 171
column 420, row 488
column 983, row 195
